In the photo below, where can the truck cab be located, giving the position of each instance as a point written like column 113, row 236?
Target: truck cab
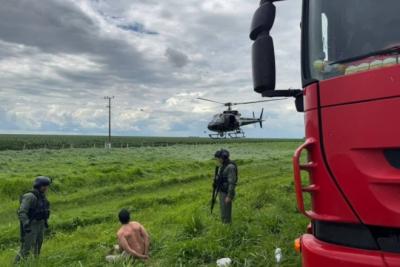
column 350, row 61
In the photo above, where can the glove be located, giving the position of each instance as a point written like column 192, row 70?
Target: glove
column 27, row 228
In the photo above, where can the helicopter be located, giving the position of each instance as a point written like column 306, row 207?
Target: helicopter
column 229, row 122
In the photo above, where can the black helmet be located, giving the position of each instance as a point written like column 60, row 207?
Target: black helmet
column 41, row 181
column 222, row 154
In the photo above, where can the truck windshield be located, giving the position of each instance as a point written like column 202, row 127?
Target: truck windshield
column 349, row 36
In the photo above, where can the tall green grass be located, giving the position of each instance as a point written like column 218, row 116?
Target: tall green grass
column 168, row 190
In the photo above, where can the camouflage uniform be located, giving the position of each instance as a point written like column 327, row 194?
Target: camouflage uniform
column 228, row 173
column 33, row 214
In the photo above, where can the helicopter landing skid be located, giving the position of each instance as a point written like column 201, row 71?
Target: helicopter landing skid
column 218, row 136
column 236, row 135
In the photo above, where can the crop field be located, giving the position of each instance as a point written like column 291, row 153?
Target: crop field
column 24, row 142
column 168, row 190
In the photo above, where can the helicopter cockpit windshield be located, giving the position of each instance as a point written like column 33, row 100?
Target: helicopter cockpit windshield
column 217, row 118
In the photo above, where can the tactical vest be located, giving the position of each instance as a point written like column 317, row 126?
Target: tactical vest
column 40, row 210
column 224, row 179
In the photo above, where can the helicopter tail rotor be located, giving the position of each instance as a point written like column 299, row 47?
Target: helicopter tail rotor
column 261, row 118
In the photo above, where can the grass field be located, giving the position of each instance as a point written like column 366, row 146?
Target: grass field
column 168, row 191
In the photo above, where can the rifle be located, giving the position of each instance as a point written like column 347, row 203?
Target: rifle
column 216, row 188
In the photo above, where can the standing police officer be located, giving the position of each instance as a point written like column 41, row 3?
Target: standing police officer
column 226, row 183
column 33, row 214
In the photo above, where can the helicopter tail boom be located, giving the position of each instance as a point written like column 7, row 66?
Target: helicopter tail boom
column 253, row 120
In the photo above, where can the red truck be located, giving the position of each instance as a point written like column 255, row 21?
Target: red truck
column 351, row 103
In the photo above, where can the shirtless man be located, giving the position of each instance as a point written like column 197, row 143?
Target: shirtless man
column 133, row 239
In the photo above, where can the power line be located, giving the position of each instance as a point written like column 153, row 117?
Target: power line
column 109, row 98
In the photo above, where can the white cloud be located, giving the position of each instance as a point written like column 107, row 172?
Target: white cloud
column 44, row 66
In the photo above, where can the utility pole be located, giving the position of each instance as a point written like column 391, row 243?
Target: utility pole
column 109, row 98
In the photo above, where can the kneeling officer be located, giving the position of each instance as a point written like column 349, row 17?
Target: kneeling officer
column 33, row 213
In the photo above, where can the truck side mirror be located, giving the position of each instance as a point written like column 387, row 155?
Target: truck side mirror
column 263, row 54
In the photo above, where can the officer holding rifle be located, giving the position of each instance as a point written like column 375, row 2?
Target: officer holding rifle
column 225, row 180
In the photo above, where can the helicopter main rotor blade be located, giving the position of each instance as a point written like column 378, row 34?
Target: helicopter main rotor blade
column 260, row 101
column 204, row 99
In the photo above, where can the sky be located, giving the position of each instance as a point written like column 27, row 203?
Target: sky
column 59, row 58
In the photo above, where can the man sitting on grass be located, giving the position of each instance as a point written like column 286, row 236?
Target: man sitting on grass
column 133, row 240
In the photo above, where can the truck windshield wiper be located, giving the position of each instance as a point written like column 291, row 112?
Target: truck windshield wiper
column 391, row 50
